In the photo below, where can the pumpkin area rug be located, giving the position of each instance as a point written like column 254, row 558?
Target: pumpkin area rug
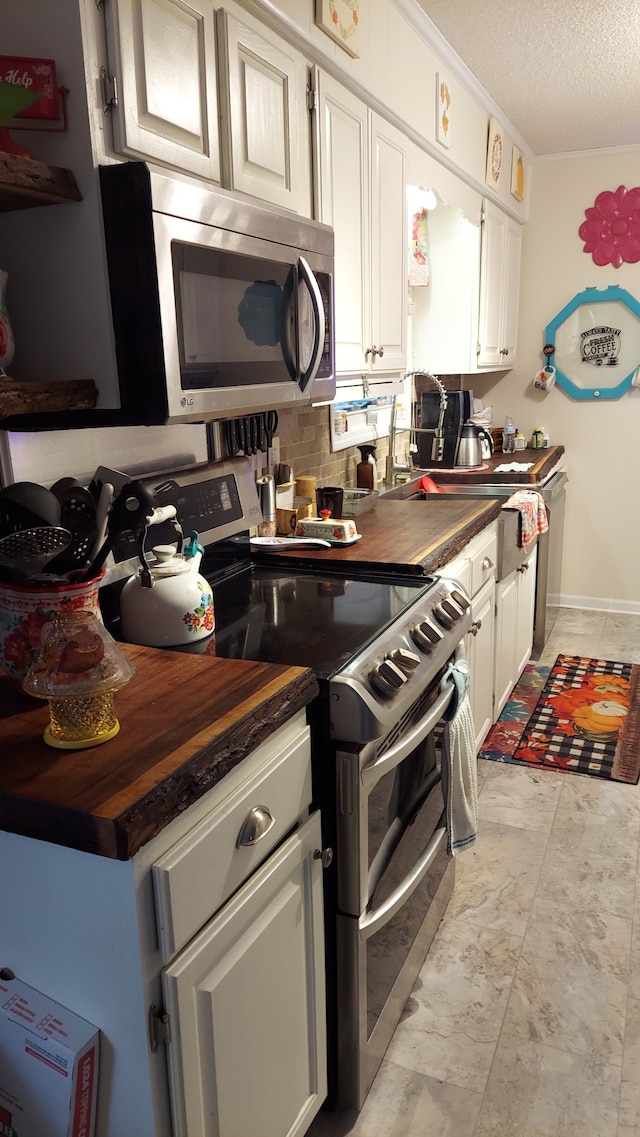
column 581, row 716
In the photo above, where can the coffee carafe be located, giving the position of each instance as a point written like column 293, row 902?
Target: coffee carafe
column 469, row 453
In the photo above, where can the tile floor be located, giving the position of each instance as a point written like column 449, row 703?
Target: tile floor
column 525, row 1019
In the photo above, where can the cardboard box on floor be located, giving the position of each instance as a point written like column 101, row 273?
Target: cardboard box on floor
column 48, row 1066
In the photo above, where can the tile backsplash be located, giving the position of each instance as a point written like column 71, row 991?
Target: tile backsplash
column 305, row 445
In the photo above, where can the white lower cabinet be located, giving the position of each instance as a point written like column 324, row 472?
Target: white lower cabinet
column 515, row 601
column 480, row 654
column 475, row 569
column 246, row 1005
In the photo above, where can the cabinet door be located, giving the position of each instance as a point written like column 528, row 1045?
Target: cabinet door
column 267, row 144
column 246, row 1001
column 511, row 287
column 524, row 616
column 492, row 257
column 506, row 615
column 343, row 203
column 162, row 53
column 480, row 649
column 389, row 248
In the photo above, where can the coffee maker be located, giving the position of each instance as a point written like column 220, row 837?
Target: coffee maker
column 457, row 411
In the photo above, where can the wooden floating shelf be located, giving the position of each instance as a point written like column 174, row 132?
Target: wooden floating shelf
column 19, row 398
column 26, row 183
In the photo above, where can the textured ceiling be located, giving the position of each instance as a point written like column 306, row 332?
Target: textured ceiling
column 565, row 72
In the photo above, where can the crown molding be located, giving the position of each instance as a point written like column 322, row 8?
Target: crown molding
column 433, row 37
column 598, row 152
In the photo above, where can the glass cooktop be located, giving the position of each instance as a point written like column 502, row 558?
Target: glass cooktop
column 303, row 619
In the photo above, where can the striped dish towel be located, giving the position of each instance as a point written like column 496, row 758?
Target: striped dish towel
column 533, row 514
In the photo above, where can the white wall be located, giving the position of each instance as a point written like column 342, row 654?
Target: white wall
column 602, row 438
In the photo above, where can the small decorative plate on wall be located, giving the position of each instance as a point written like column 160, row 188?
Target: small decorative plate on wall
column 596, row 343
column 495, row 149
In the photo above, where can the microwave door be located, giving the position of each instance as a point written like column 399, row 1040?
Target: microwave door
column 311, row 324
column 289, row 324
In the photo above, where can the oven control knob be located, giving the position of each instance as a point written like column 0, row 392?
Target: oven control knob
column 445, row 613
column 387, row 677
column 407, row 661
column 426, row 636
column 460, row 600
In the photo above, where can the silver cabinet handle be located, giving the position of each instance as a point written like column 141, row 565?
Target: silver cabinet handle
column 487, row 563
column 524, row 567
column 324, row 855
column 370, row 351
column 256, row 826
column 380, row 352
column 475, row 627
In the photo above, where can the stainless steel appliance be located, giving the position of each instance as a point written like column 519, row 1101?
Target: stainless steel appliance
column 220, row 305
column 457, row 411
column 469, row 453
column 549, row 571
column 379, row 646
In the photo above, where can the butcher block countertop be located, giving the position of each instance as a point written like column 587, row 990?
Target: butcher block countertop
column 185, row 721
column 405, row 536
column 543, row 463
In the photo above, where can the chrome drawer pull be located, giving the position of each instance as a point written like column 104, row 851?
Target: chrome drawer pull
column 487, row 563
column 256, row 826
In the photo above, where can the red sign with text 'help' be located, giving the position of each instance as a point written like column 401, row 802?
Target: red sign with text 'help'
column 34, row 75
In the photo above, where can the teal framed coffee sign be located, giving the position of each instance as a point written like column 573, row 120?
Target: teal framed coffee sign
column 594, row 343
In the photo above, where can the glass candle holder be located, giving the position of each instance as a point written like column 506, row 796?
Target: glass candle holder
column 78, row 668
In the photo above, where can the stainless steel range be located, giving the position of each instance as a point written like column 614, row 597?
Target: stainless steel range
column 379, row 647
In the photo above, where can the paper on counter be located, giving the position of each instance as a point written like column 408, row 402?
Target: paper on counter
column 513, row 467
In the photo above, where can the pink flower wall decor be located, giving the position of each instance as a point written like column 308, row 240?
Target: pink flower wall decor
column 611, row 231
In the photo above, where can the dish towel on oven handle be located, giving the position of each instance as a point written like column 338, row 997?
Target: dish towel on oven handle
column 533, row 514
column 459, row 766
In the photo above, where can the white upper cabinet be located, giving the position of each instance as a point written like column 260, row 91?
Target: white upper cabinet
column 162, row 55
column 264, row 114
column 361, row 193
column 499, row 289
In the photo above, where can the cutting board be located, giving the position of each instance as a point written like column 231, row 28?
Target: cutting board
column 185, row 721
column 542, row 461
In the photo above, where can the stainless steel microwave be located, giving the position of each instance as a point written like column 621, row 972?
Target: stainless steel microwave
column 220, row 305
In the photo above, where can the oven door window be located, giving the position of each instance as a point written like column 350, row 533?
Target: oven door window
column 406, row 801
column 237, row 318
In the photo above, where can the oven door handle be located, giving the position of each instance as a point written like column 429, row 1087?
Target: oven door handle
column 396, row 754
column 372, row 921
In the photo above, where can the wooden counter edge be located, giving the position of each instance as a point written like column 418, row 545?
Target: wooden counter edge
column 121, row 836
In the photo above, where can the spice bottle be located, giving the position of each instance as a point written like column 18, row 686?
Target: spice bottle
column 537, row 439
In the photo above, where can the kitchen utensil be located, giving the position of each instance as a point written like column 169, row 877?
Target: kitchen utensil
column 29, row 550
column 167, row 602
column 469, row 454
column 131, row 508
column 103, row 507
column 276, row 543
column 14, row 517
column 330, row 498
column 78, row 515
column 40, row 501
column 267, row 493
column 270, row 426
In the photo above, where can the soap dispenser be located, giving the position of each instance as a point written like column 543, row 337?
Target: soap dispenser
column 366, row 470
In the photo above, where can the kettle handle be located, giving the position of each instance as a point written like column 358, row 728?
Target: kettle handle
column 486, row 434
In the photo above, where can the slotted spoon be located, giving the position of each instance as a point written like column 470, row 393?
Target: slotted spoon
column 29, row 550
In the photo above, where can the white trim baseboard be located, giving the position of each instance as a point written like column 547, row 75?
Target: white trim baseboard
column 594, row 604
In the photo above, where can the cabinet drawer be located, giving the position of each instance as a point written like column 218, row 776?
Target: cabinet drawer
column 202, row 870
column 459, row 570
column 483, row 559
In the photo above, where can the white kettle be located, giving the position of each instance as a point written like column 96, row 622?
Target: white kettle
column 167, row 603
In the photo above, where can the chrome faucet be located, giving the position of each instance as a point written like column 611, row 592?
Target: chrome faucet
column 392, row 467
